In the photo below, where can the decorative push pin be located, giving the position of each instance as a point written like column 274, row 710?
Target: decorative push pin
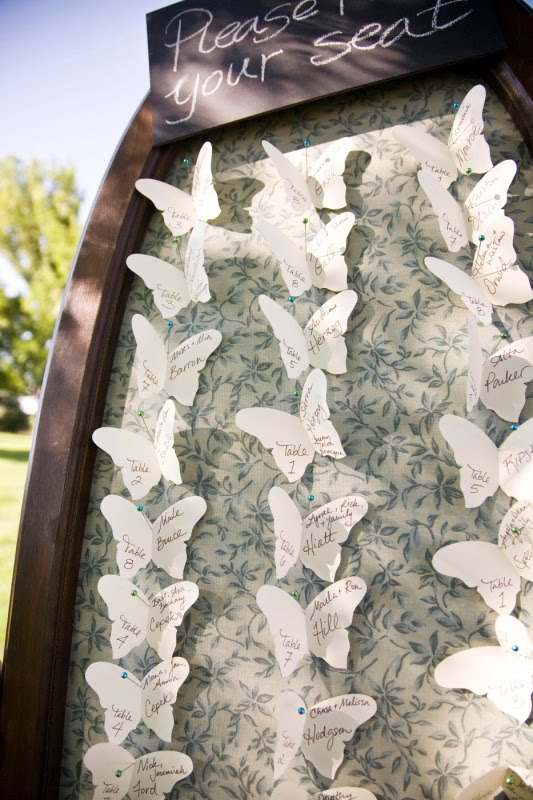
column 124, row 675
column 504, row 335
column 140, row 413
column 509, row 779
column 481, row 237
column 295, row 594
column 456, row 106
column 297, row 393
column 311, row 497
column 305, row 220
column 514, row 426
column 515, row 530
column 118, row 773
column 468, row 170
column 291, row 299
column 176, row 239
column 301, row 710
column 170, row 324
column 515, row 648
column 307, row 142
column 134, row 592
column 140, row 508
column 186, row 161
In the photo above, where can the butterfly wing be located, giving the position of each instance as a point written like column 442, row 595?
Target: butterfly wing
column 178, row 209
column 134, row 455
column 484, row 566
column 155, row 774
column 159, row 692
column 326, row 182
column 167, row 283
column 204, row 196
column 287, row 530
column 468, row 146
column 449, row 213
column 290, row 721
column 172, row 530
column 131, row 531
column 515, row 538
column 472, row 294
column 325, row 259
column 166, row 612
column 119, row 697
column 515, row 458
column 476, row 455
column 287, row 625
column 329, row 615
column 325, row 530
column 295, row 184
column 324, row 333
column 505, row 376
column 292, row 261
column 488, row 197
column 314, row 413
column 432, row 155
column 164, row 443
column 194, row 270
column 127, row 608
column 292, row 344
column 346, row 793
column 494, row 265
column 282, row 434
column 110, row 767
column 185, row 363
column 151, row 358
column 288, row 791
column 475, row 365
column 329, row 725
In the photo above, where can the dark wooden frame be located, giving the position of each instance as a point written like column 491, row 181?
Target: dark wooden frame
column 35, row 673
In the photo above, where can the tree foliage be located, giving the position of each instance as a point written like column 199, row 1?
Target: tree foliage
column 39, row 232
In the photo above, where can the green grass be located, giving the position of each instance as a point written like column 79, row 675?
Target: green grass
column 14, row 452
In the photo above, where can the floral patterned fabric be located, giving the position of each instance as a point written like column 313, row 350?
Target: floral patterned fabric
column 407, row 357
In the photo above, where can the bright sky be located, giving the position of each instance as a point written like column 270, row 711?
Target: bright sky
column 73, row 74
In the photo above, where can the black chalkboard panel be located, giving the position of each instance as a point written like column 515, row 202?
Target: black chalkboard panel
column 215, row 61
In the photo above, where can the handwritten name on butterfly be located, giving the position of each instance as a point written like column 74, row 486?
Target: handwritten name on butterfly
column 126, row 701
column 320, row 630
column 515, row 538
column 291, row 791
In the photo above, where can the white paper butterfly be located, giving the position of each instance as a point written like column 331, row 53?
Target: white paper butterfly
column 504, row 674
column 321, row 264
column 515, row 538
column 320, row 630
column 474, row 296
column 467, row 149
column 290, row 791
column 325, row 187
column 484, row 467
column 484, row 566
column 321, row 343
column 142, row 462
column 483, row 206
column 126, row 701
column 182, row 211
column 115, row 772
column 164, row 541
column 178, row 374
column 320, row 731
column 504, row 378
column 292, row 441
column 493, row 784
column 135, row 618
column 494, row 265
column 318, row 538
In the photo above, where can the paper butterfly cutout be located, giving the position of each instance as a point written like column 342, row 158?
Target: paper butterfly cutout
column 484, row 566
column 141, row 462
column 164, row 541
column 475, row 367
column 484, row 467
column 318, row 538
column 294, row 442
column 178, row 373
column 321, row 264
column 320, row 731
column 321, row 343
column 504, row 377
column 494, row 265
column 515, row 538
column 504, row 674
column 290, row 791
column 472, row 294
column 126, row 701
column 182, row 211
column 320, row 630
column 459, row 224
column 466, row 151
column 115, row 772
column 168, row 284
column 135, row 618
column 325, row 187
column 494, row 784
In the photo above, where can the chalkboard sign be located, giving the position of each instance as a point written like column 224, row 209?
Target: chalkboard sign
column 213, row 62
